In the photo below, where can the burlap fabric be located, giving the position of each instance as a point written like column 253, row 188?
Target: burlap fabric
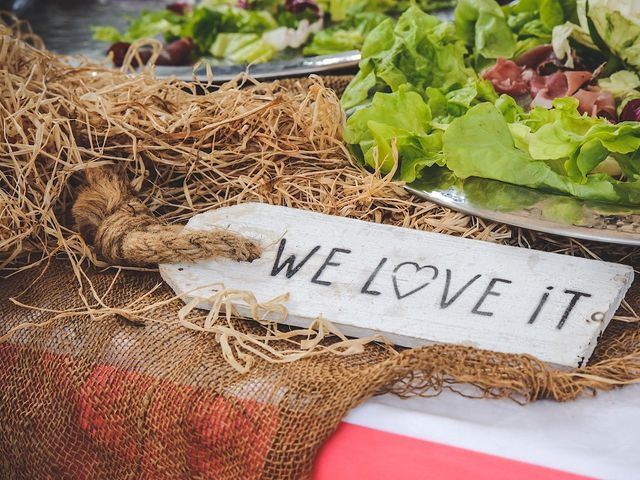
column 106, row 396
column 111, row 399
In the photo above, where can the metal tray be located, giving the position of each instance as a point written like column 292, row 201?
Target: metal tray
column 534, row 210
column 65, row 28
column 294, row 67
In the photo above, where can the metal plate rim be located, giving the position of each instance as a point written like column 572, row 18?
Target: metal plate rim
column 268, row 70
column 544, row 226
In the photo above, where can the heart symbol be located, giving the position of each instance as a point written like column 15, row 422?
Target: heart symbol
column 418, row 269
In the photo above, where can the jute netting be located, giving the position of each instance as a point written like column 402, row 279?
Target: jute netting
column 101, row 377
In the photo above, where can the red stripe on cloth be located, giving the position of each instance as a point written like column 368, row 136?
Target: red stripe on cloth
column 355, row 452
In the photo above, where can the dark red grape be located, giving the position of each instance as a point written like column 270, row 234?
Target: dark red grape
column 179, row 8
column 299, row 6
column 119, row 51
column 631, row 111
column 176, row 53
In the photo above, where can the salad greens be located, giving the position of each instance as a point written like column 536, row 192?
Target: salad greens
column 148, row 24
column 418, row 51
column 612, row 26
column 512, row 30
column 419, row 106
column 263, row 29
column 346, row 35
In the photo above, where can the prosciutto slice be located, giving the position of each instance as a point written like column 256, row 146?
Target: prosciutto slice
column 575, row 80
column 539, row 75
column 535, row 56
column 506, row 77
column 554, row 86
column 542, row 59
column 596, row 103
column 560, row 84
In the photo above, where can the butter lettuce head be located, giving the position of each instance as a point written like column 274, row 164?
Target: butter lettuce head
column 419, row 50
column 610, row 26
column 481, row 144
column 395, row 133
column 617, row 24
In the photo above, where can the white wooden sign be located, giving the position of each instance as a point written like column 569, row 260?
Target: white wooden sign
column 412, row 287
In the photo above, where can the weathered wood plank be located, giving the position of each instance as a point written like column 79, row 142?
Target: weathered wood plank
column 413, row 287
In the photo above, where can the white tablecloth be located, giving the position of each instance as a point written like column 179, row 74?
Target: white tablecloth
column 592, row 437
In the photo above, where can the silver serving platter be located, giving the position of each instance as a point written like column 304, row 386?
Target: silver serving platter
column 299, row 66
column 534, row 210
column 65, row 28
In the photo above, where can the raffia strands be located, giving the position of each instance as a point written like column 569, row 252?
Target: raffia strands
column 183, row 153
column 132, row 157
column 109, row 365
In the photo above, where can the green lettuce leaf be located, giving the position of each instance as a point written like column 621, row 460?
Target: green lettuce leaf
column 340, row 10
column 445, row 106
column 205, row 23
column 152, row 23
column 492, row 31
column 419, row 50
column 621, row 84
column 580, row 141
column 148, row 24
column 483, row 24
column 562, row 46
column 607, row 27
column 348, row 35
column 617, row 24
column 106, row 34
column 384, row 133
column 203, row 27
column 480, row 144
column 242, row 48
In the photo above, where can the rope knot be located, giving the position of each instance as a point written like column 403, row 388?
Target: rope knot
column 122, row 230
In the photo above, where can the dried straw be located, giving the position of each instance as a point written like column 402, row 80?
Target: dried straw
column 184, row 152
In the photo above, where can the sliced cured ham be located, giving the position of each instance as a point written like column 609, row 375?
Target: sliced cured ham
column 506, row 77
column 596, row 103
column 529, row 77
column 542, row 59
column 544, row 89
column 554, row 86
column 575, row 80
column 535, row 56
